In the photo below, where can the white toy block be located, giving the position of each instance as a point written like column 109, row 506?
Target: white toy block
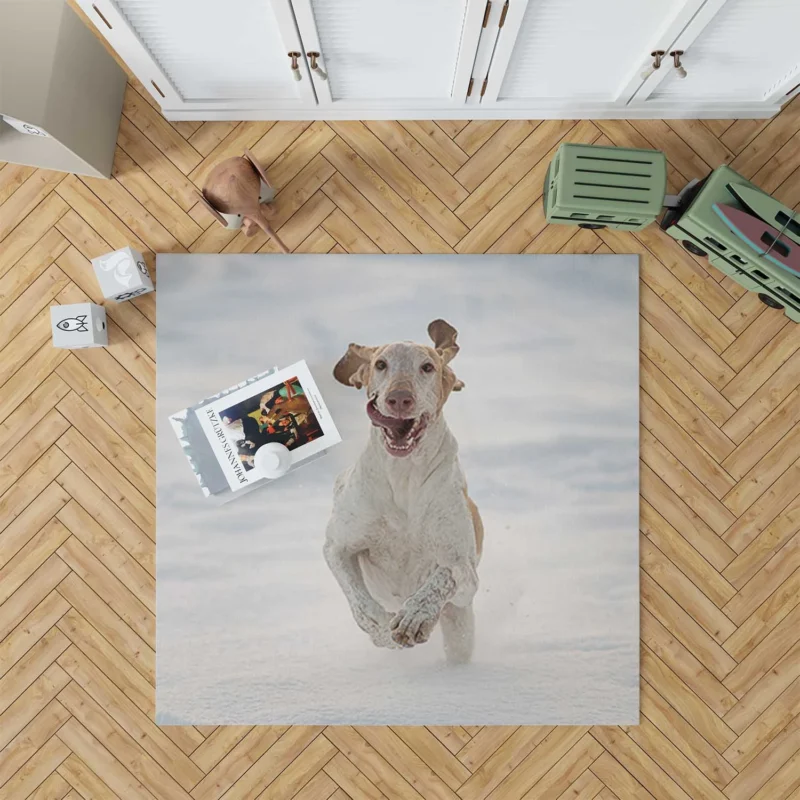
column 122, row 275
column 78, row 325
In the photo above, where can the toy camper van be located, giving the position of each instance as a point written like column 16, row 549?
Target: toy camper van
column 742, row 231
column 704, row 227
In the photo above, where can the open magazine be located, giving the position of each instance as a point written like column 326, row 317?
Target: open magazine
column 284, row 406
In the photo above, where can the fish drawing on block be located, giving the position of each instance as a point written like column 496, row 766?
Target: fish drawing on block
column 77, row 324
column 763, row 238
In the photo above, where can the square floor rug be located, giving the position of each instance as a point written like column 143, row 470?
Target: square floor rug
column 467, row 554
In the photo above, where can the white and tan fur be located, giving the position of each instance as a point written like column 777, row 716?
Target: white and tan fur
column 404, row 538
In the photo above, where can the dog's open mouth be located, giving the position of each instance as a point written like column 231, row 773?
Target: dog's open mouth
column 400, row 434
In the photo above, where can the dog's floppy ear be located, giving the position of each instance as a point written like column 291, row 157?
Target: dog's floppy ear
column 451, row 383
column 444, row 335
column 353, row 367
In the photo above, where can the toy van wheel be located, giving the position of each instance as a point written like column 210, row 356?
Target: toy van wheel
column 693, row 249
column 592, row 226
column 769, row 301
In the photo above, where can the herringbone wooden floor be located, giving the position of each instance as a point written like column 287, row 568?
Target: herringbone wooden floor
column 720, row 412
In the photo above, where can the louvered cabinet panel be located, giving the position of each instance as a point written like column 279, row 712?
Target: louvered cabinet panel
column 423, row 59
column 212, row 50
column 581, row 49
column 749, row 48
column 385, row 50
column 207, row 52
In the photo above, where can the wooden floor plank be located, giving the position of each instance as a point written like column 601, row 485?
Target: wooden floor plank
column 419, row 161
column 657, row 711
column 769, row 614
column 437, row 143
column 617, row 780
column 101, row 763
column 110, row 517
column 670, row 434
column 31, row 629
column 760, row 581
column 12, row 176
column 765, row 436
column 502, row 762
column 691, row 634
column 108, row 443
column 220, row 778
column 680, row 553
column 277, row 758
column 110, row 479
column 26, row 198
column 130, row 719
column 504, row 196
column 377, row 229
column 47, row 538
column 684, row 375
column 91, row 570
column 347, row 777
column 106, row 549
column 419, row 216
column 159, row 131
column 476, row 133
column 150, row 159
column 152, row 197
column 94, row 717
column 690, row 598
column 35, row 735
column 110, row 625
column 299, row 153
column 685, row 665
column 718, row 734
column 84, row 782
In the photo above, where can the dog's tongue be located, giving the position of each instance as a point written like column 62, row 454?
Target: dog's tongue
column 378, row 419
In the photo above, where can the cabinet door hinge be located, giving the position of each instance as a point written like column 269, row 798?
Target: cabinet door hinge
column 503, row 15
column 469, row 88
column 486, row 13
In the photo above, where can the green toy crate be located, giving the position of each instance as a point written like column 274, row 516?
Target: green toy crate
column 605, row 187
column 702, row 232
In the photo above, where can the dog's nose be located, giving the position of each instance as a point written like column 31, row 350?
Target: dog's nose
column 400, row 400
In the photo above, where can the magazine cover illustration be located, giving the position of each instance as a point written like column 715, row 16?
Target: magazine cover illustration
column 284, row 407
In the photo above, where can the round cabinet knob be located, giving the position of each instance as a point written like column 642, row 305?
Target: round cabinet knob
column 272, row 460
column 295, row 66
column 657, row 56
column 676, row 59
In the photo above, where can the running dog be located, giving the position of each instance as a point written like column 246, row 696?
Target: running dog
column 404, row 538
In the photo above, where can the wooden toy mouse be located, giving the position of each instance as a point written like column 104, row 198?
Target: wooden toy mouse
column 235, row 193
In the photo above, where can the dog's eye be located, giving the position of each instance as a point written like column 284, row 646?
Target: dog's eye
column 380, row 365
column 427, row 367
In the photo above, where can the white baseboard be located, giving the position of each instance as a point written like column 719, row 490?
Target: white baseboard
column 647, row 111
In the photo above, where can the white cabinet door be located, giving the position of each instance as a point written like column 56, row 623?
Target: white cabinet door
column 578, row 53
column 748, row 51
column 208, row 54
column 390, row 53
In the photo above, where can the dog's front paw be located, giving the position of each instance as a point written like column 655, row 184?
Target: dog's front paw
column 375, row 623
column 414, row 623
column 382, row 637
